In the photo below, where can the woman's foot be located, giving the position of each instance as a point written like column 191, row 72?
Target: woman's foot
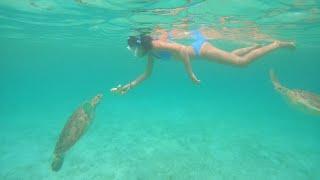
column 285, row 44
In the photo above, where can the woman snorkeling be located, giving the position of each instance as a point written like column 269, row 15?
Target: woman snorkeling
column 162, row 48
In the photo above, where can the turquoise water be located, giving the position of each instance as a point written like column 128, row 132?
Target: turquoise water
column 54, row 55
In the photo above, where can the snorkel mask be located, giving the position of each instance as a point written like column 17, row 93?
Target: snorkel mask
column 140, row 45
column 134, row 45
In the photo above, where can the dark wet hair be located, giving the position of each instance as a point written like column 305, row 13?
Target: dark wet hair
column 141, row 41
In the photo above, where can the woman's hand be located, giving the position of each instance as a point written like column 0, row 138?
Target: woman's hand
column 195, row 79
column 186, row 60
column 121, row 89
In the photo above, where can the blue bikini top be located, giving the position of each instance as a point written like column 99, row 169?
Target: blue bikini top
column 163, row 54
column 199, row 40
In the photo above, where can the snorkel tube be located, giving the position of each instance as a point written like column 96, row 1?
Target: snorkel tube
column 135, row 51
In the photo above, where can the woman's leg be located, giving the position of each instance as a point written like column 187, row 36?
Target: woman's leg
column 212, row 53
column 243, row 51
column 253, row 55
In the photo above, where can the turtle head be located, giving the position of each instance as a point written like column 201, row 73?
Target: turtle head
column 96, row 100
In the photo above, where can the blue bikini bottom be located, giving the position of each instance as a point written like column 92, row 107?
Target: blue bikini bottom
column 199, row 41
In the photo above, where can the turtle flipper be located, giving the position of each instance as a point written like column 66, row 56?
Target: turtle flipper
column 276, row 83
column 273, row 78
column 57, row 162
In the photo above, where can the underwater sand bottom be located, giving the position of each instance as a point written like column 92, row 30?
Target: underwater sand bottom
column 155, row 148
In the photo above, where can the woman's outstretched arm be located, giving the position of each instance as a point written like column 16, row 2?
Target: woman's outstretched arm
column 124, row 89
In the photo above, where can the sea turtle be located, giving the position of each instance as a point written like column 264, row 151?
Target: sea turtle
column 307, row 100
column 75, row 127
